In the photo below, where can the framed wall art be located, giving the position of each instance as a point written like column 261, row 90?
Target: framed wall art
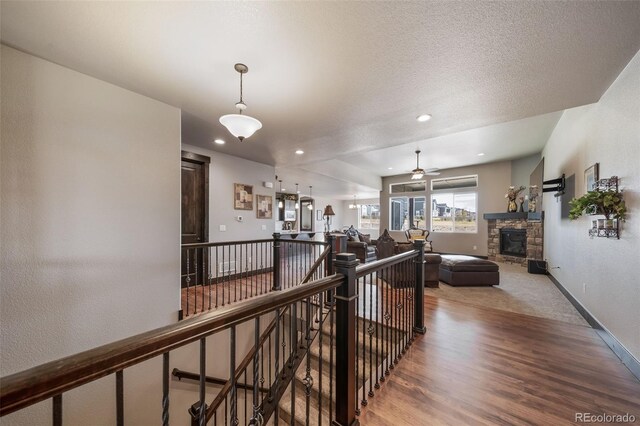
column 591, row 176
column 264, row 206
column 242, row 196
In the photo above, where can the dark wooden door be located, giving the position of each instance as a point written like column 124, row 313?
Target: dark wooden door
column 195, row 211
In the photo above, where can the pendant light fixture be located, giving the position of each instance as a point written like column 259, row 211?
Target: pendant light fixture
column 355, row 203
column 297, row 192
column 310, row 205
column 240, row 126
column 280, row 203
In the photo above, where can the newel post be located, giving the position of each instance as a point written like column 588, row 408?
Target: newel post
column 276, row 262
column 418, row 297
column 346, row 304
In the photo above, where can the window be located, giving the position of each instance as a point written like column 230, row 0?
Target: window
column 419, row 186
column 454, row 212
column 453, row 207
column 407, row 212
column 369, row 217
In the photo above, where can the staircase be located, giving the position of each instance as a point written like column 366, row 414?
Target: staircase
column 372, row 360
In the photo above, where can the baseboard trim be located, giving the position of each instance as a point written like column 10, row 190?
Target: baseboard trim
column 616, row 347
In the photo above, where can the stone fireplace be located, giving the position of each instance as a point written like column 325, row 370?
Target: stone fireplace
column 515, row 237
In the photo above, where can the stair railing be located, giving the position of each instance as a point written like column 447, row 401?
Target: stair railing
column 355, row 320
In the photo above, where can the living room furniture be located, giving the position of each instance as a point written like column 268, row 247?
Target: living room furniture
column 419, row 234
column 388, row 247
column 361, row 245
column 460, row 270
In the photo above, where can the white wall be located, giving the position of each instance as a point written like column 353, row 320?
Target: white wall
column 89, row 221
column 224, row 171
column 607, row 132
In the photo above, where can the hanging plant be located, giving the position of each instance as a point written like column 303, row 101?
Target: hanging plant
column 608, row 203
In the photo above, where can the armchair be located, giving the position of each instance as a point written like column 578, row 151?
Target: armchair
column 361, row 245
column 422, row 234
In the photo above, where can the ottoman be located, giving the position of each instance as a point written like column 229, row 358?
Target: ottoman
column 459, row 270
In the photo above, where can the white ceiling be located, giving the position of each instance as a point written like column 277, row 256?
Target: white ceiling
column 344, row 81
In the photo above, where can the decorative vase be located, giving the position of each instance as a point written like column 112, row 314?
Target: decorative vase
column 513, row 207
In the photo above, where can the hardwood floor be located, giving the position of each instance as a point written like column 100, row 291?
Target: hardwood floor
column 482, row 366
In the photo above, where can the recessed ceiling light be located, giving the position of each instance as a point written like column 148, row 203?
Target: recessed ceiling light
column 299, row 152
column 481, row 154
column 424, row 117
column 219, row 141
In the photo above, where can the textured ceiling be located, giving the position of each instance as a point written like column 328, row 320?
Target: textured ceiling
column 341, row 79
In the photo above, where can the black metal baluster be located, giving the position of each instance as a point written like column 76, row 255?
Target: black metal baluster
column 256, row 387
column 308, row 381
column 357, row 337
column 204, row 274
column 331, row 322
column 284, row 346
column 270, row 396
column 245, row 396
column 379, row 329
column 217, row 278
column 235, row 281
column 387, row 320
column 226, row 411
column 202, row 412
column 364, row 338
column 165, row 389
column 294, row 343
column 320, row 362
column 210, row 274
column 119, row 398
column 232, row 376
column 371, row 330
column 57, row 410
column 195, row 284
column 187, row 281
column 276, row 413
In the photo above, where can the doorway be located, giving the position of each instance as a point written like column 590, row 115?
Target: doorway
column 195, row 216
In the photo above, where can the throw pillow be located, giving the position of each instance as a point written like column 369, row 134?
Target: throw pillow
column 365, row 238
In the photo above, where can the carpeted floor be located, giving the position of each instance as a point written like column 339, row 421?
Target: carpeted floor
column 519, row 292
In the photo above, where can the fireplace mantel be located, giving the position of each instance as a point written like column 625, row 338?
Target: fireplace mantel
column 515, row 215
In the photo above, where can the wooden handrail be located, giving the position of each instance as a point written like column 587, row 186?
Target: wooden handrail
column 36, row 384
column 370, row 267
column 225, row 243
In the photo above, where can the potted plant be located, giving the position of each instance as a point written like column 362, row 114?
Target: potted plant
column 605, row 202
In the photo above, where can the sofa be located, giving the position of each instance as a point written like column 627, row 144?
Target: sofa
column 388, row 247
column 361, row 245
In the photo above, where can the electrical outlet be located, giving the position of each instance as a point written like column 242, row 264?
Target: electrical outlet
column 222, row 228
column 475, row 247
column 584, row 288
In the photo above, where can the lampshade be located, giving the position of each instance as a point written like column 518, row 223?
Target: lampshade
column 240, row 126
column 328, row 211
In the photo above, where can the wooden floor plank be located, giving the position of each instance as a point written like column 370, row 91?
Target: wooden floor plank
column 485, row 366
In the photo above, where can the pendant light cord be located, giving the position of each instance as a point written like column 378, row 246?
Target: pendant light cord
column 241, row 93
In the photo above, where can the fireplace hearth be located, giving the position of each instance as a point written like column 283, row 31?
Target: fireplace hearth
column 513, row 242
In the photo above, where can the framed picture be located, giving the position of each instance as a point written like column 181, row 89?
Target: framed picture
column 591, row 177
column 264, row 206
column 242, row 196
column 319, row 215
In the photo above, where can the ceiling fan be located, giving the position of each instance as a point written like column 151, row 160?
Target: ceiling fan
column 419, row 173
